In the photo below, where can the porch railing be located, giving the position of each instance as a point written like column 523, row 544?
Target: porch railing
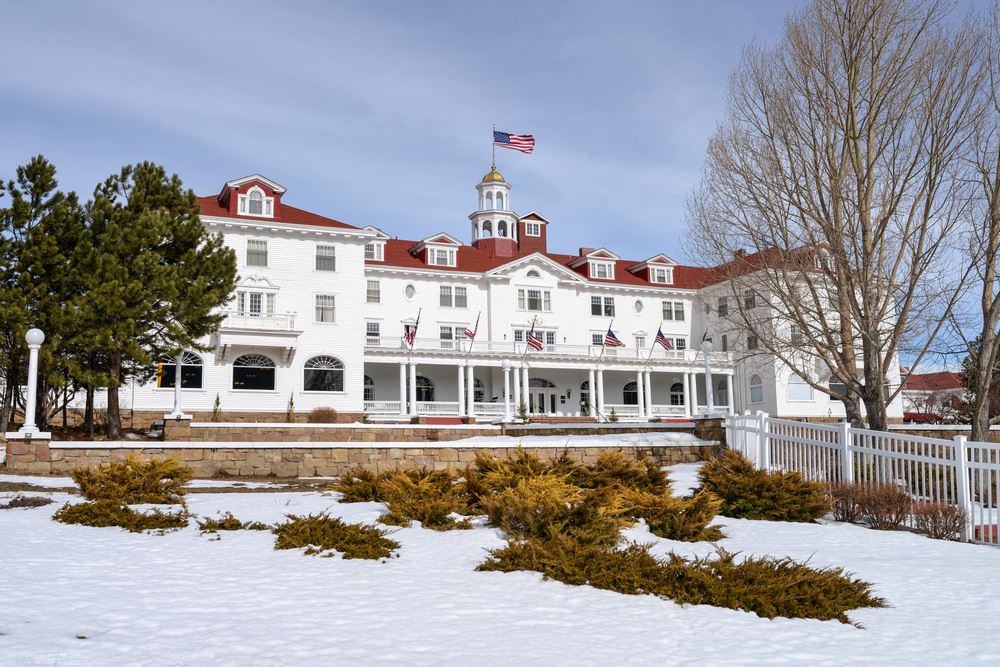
column 667, row 410
column 437, row 407
column 490, row 409
column 382, row 407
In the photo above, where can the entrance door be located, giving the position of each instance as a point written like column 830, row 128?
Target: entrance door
column 543, row 401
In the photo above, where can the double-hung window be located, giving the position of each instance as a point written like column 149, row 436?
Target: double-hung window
column 373, row 333
column 451, row 336
column 454, row 297
column 603, row 270
column 325, row 308
column 255, row 304
column 533, row 228
column 326, row 258
column 603, row 306
column 673, row 310
column 256, row 252
column 723, row 306
column 441, row 256
column 373, row 293
column 375, row 251
column 661, row 275
column 749, row 299
column 534, row 300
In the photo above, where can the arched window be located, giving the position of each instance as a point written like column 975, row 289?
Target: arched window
column 630, row 394
column 500, row 201
column 487, row 229
column 324, row 373
column 799, row 389
column 425, row 389
column 756, row 389
column 478, row 391
column 369, row 389
column 532, row 274
column 253, row 371
column 502, row 229
column 540, row 383
column 489, row 201
column 677, row 393
column 191, row 372
column 256, row 203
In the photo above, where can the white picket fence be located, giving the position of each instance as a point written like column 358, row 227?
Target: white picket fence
column 933, row 470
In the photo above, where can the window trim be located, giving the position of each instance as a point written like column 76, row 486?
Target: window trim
column 378, row 251
column 266, row 250
column 609, row 265
column 342, row 369
column 332, row 255
column 450, row 255
column 266, row 203
column 667, row 274
column 273, row 367
column 759, row 385
column 333, row 307
column 529, row 225
column 369, row 292
column 802, row 382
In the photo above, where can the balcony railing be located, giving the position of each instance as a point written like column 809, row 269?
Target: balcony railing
column 280, row 322
column 517, row 348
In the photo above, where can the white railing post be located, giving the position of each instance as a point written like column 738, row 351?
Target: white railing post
column 763, row 442
column 846, row 455
column 962, row 486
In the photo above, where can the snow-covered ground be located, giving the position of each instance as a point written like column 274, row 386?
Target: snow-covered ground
column 73, row 595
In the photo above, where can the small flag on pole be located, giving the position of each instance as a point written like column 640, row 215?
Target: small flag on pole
column 410, row 331
column 534, row 340
column 611, row 340
column 471, row 333
column 662, row 340
column 518, row 142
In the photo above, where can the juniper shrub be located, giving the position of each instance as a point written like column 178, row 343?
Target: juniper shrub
column 673, row 518
column 159, row 481
column 229, row 522
column 749, row 493
column 360, row 485
column 324, row 535
column 105, row 512
column 21, row 500
column 430, row 497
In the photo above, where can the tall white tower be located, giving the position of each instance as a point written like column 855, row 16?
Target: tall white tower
column 493, row 219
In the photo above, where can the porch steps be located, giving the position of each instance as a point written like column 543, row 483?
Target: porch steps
column 537, row 419
column 442, row 421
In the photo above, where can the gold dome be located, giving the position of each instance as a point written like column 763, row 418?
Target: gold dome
column 493, row 176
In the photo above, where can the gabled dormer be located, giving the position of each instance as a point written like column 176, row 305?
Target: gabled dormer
column 657, row 270
column 438, row 250
column 599, row 263
column 252, row 197
column 375, row 248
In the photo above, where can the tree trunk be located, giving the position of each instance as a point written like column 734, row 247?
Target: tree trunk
column 88, row 413
column 875, row 409
column 852, row 408
column 114, row 382
column 7, row 407
column 984, row 380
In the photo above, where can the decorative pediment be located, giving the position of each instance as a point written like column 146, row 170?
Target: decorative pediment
column 655, row 260
column 598, row 254
column 535, row 216
column 257, row 281
column 442, row 238
column 539, row 261
column 378, row 232
column 274, row 187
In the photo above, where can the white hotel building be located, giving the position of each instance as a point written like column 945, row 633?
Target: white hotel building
column 320, row 310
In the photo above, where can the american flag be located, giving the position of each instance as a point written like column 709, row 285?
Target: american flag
column 534, row 340
column 611, row 340
column 519, row 142
column 471, row 333
column 662, row 340
column 410, row 331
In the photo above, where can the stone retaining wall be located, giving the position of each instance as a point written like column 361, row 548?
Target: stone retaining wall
column 263, row 460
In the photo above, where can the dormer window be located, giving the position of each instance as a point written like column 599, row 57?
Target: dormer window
column 661, row 275
column 533, row 228
column 441, row 256
column 255, row 203
column 603, row 270
column 375, row 251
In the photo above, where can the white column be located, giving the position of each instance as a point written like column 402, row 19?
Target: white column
column 640, row 391
column 729, row 393
column 526, row 388
column 709, row 394
column 402, row 389
column 506, row 391
column 694, row 393
column 461, row 390
column 591, row 393
column 649, row 393
column 471, row 393
column 517, row 388
column 413, row 390
column 600, row 393
column 688, row 400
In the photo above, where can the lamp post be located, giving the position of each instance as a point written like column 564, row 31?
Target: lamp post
column 177, row 413
column 34, row 338
column 506, row 365
column 706, row 348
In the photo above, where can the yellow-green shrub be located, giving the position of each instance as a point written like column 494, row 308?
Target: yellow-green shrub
column 672, row 518
column 229, row 522
column 360, row 485
column 104, row 513
column 749, row 493
column 429, row 497
column 547, row 505
column 133, row 481
column 322, row 534
column 764, row 585
column 615, row 468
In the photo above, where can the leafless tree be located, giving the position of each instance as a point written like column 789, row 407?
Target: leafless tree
column 834, row 189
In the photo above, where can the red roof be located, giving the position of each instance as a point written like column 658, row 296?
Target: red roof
column 474, row 260
column 940, row 381
column 210, row 206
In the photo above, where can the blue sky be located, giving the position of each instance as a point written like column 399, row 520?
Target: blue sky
column 380, row 112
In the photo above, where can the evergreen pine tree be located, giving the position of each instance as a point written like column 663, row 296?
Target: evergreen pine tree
column 157, row 279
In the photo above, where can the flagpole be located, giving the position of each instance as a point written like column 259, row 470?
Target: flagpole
column 604, row 340
column 475, row 330
column 524, row 356
column 409, row 352
column 493, row 143
column 658, row 330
